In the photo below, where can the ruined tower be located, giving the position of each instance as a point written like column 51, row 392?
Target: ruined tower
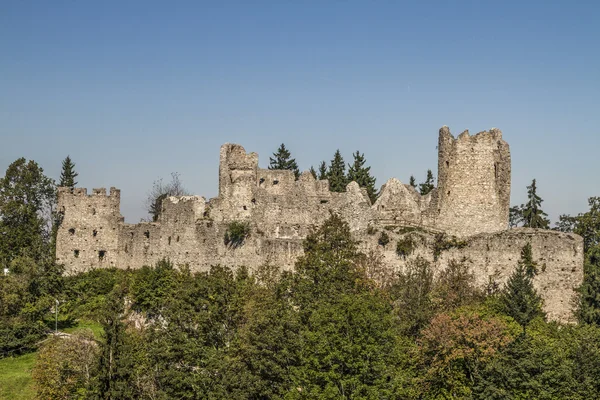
column 89, row 232
column 473, row 194
column 237, row 180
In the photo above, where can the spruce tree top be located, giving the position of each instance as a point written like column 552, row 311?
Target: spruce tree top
column 282, row 160
column 68, row 174
column 360, row 174
column 337, row 173
column 533, row 215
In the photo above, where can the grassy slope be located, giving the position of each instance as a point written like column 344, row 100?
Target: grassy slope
column 15, row 377
column 15, row 372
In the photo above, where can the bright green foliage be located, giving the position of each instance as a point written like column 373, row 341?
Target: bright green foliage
column 270, row 341
column 533, row 215
column 237, row 232
column 519, row 297
column 328, row 266
column 26, row 295
column 348, row 344
column 348, row 349
column 193, row 353
column 588, row 299
column 68, row 174
column 26, row 200
column 360, row 174
column 412, row 182
column 428, row 185
column 15, row 377
column 337, row 173
column 84, row 295
column 282, row 160
column 152, row 287
column 323, row 174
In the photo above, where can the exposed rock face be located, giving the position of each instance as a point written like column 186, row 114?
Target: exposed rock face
column 470, row 202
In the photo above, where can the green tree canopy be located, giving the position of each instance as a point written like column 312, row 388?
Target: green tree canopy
column 68, row 174
column 27, row 199
column 337, row 173
column 361, row 174
column 282, row 159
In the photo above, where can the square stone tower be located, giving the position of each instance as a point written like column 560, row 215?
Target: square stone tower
column 473, row 194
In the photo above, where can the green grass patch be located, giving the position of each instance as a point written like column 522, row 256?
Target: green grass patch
column 94, row 326
column 15, row 377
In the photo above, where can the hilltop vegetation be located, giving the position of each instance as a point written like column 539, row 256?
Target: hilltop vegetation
column 335, row 327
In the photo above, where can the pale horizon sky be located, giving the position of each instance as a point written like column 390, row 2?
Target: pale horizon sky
column 135, row 90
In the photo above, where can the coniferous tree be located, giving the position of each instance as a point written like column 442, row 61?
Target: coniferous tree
column 282, row 159
column 68, row 174
column 360, row 174
column 519, row 297
column 588, row 299
column 337, row 173
column 533, row 216
column 412, row 182
column 515, row 216
column 323, row 170
column 313, row 172
column 114, row 365
column 427, row 186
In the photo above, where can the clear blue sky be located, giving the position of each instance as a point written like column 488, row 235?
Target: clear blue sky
column 133, row 91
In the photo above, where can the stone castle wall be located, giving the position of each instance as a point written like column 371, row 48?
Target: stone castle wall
column 471, row 201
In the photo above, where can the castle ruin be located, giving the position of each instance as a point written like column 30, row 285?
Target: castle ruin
column 467, row 212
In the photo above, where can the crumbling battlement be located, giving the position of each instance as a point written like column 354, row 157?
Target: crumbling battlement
column 471, row 202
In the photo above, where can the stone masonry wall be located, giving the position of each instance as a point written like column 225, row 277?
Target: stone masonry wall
column 471, row 202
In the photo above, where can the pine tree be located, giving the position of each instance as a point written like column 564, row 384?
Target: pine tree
column 412, row 182
column 313, row 172
column 427, row 186
column 360, row 174
column 519, row 297
column 282, row 160
column 337, row 173
column 533, row 216
column 323, row 170
column 68, row 174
